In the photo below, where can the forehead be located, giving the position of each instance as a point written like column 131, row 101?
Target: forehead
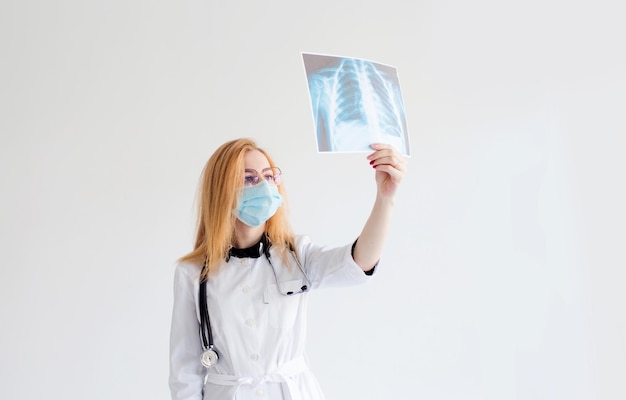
column 254, row 159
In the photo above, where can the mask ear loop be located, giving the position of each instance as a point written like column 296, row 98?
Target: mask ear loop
column 209, row 355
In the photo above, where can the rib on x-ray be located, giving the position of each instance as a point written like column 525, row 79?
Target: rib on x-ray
column 356, row 103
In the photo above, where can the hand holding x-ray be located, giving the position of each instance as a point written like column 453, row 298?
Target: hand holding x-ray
column 355, row 104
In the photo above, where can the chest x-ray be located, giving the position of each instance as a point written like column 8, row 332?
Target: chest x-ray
column 355, row 103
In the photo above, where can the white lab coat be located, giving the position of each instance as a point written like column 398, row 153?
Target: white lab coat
column 258, row 332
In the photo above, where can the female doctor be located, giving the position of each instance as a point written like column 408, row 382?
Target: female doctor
column 240, row 297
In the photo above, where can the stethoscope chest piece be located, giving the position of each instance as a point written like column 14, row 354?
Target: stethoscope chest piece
column 209, row 358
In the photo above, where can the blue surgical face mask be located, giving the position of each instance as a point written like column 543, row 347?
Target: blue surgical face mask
column 258, row 203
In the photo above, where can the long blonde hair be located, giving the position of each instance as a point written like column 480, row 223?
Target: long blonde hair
column 219, row 189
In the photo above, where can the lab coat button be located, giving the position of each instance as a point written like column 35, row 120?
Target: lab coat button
column 245, row 261
column 255, row 357
column 246, row 289
column 260, row 392
column 250, row 322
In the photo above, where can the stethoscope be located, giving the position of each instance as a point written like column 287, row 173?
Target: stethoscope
column 209, row 354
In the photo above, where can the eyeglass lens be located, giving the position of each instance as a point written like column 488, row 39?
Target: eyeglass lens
column 271, row 175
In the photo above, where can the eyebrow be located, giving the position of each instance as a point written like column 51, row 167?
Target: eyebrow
column 254, row 170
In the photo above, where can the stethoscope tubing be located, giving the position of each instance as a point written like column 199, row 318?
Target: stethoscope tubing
column 206, row 333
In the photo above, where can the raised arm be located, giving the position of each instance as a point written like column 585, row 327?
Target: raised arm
column 390, row 168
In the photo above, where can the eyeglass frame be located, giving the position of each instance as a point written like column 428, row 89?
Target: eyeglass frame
column 271, row 180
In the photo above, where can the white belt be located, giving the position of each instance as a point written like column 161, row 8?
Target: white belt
column 282, row 374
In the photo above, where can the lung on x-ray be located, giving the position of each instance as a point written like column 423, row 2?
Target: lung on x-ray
column 355, row 103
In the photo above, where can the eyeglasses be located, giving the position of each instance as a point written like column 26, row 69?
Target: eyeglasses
column 271, row 175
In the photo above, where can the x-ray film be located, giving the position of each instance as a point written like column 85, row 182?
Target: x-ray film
column 355, row 103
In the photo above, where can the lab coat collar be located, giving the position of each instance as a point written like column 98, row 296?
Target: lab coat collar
column 254, row 251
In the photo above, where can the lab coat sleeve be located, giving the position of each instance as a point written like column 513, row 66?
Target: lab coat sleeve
column 330, row 266
column 186, row 372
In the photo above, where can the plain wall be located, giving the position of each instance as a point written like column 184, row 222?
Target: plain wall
column 502, row 277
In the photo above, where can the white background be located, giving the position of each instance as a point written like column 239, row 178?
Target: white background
column 502, row 278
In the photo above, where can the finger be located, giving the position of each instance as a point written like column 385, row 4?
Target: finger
column 395, row 174
column 380, row 160
column 394, row 160
column 380, row 148
column 381, row 153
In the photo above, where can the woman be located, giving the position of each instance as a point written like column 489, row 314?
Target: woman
column 249, row 277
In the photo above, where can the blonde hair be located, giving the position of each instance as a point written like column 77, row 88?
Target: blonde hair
column 218, row 193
